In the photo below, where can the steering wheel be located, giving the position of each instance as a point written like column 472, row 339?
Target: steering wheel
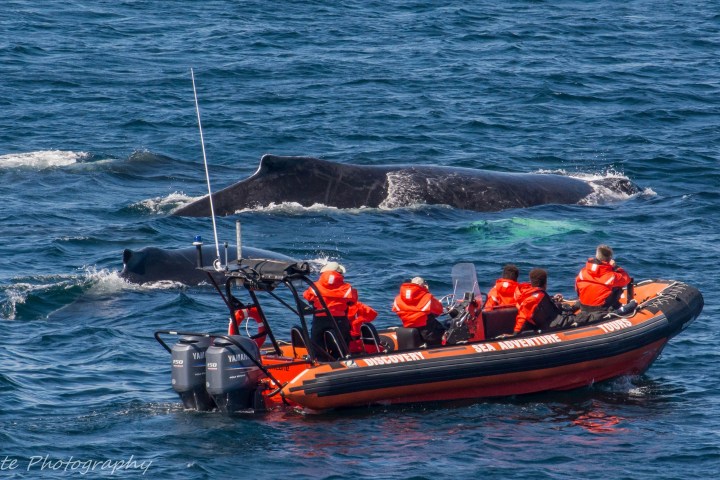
column 447, row 302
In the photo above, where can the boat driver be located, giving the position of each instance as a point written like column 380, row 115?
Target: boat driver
column 418, row 308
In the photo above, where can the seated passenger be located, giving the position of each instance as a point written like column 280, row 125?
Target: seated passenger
column 357, row 315
column 339, row 297
column 537, row 308
column 506, row 291
column 418, row 308
column 599, row 285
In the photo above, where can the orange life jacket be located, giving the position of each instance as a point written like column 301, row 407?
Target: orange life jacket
column 537, row 308
column 413, row 305
column 505, row 292
column 596, row 282
column 358, row 314
column 338, row 295
column 529, row 300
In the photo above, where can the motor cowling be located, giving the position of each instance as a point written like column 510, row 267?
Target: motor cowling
column 188, row 372
column 231, row 374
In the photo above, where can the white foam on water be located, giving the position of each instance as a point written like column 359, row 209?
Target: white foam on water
column 294, row 207
column 105, row 281
column 93, row 281
column 42, row 159
column 16, row 295
column 603, row 194
column 166, row 204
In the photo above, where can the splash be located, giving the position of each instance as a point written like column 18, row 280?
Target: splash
column 58, row 291
column 294, row 208
column 103, row 282
column 609, row 186
column 14, row 296
column 42, row 159
column 164, row 205
column 288, row 207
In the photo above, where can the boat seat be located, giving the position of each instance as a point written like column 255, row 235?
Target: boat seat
column 499, row 320
column 369, row 336
column 408, row 338
column 332, row 346
column 297, row 339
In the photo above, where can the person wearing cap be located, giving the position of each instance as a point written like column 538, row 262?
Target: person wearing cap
column 339, row 297
column 506, row 290
column 599, row 285
column 418, row 308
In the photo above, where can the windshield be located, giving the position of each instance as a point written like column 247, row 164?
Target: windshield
column 464, row 279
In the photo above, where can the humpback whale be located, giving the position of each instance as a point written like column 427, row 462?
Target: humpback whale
column 310, row 181
column 152, row 264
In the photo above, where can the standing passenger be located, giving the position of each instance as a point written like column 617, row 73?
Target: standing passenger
column 339, row 297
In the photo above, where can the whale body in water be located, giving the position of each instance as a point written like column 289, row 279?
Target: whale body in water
column 310, row 181
column 152, row 264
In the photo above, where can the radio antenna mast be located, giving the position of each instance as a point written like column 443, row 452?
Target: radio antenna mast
column 216, row 263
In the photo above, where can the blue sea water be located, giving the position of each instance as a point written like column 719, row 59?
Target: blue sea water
column 99, row 142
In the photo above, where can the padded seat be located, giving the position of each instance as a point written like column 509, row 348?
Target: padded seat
column 408, row 338
column 499, row 321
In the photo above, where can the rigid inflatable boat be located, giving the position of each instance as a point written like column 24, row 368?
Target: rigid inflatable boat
column 233, row 373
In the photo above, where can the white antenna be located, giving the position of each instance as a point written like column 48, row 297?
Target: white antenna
column 237, row 240
column 216, row 264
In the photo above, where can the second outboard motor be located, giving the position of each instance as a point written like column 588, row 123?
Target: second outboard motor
column 232, row 376
column 188, row 372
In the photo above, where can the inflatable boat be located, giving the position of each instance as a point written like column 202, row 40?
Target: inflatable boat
column 256, row 371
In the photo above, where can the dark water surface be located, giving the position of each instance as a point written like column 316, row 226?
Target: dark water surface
column 99, row 142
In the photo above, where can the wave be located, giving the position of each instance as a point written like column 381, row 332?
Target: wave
column 43, row 159
column 38, row 297
column 291, row 208
column 609, row 186
column 163, row 205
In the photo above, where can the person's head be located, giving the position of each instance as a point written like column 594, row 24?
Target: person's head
column 538, row 278
column 604, row 253
column 420, row 281
column 511, row 272
column 333, row 267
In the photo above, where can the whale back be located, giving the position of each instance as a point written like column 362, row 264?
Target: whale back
column 308, row 181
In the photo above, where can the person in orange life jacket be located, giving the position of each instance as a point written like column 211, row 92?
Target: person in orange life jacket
column 357, row 315
column 599, row 285
column 506, row 291
column 418, row 308
column 339, row 297
column 536, row 308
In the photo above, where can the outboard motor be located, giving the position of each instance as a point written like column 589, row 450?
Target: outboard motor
column 188, row 372
column 232, row 377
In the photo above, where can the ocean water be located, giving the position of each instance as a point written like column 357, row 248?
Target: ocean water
column 99, row 142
